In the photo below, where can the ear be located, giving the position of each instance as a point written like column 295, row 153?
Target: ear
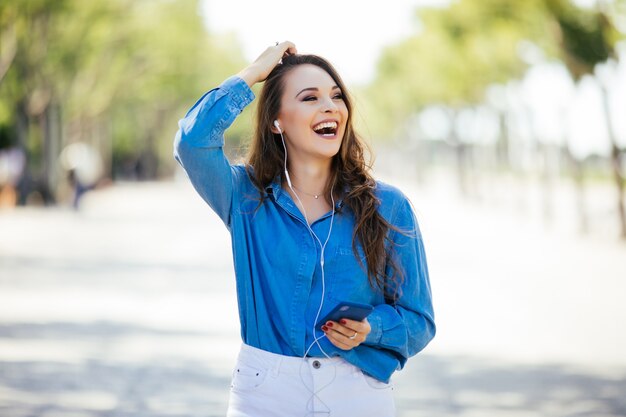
column 275, row 127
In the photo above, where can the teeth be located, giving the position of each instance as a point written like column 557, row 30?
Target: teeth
column 330, row 125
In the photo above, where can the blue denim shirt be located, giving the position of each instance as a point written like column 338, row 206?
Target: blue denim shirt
column 277, row 261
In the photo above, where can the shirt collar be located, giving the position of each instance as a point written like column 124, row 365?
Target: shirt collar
column 275, row 189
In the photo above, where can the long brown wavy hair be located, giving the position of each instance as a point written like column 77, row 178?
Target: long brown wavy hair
column 350, row 173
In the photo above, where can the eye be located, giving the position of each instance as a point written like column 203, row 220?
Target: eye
column 338, row 96
column 309, row 98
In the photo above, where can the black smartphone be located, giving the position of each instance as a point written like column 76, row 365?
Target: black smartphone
column 347, row 310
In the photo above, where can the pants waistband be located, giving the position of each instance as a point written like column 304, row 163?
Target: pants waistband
column 288, row 364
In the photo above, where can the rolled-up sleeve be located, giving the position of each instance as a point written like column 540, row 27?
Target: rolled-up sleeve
column 199, row 141
column 406, row 326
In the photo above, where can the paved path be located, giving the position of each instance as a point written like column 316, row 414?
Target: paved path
column 127, row 308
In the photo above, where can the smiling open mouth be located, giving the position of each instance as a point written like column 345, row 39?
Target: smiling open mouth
column 327, row 129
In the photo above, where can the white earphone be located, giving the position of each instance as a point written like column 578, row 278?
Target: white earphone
column 315, row 239
column 316, row 338
column 277, row 125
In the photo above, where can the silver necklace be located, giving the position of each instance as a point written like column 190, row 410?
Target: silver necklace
column 317, row 196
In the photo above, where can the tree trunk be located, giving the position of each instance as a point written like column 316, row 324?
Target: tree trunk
column 24, row 184
column 547, row 181
column 541, row 162
column 460, row 154
column 51, row 132
column 578, row 173
column 503, row 145
column 616, row 162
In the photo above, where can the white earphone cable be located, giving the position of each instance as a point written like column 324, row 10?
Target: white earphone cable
column 314, row 392
column 316, row 339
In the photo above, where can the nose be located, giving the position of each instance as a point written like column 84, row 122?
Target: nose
column 329, row 106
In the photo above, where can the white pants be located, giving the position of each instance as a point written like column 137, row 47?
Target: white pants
column 270, row 385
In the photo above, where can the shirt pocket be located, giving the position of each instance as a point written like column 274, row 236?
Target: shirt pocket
column 346, row 277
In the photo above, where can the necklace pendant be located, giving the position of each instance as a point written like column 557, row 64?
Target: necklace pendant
column 316, row 196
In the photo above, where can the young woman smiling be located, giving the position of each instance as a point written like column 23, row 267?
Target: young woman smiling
column 311, row 230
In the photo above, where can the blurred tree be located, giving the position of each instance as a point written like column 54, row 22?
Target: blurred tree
column 115, row 74
column 174, row 61
column 458, row 52
column 27, row 92
column 461, row 50
column 587, row 39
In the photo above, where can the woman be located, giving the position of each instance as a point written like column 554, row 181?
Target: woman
column 310, row 230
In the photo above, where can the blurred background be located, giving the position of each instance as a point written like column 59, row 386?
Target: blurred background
column 503, row 121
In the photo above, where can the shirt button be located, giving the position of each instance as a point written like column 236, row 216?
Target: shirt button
column 316, row 364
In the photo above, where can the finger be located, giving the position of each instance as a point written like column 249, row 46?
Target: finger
column 352, row 338
column 288, row 48
column 362, row 327
column 348, row 327
column 339, row 340
column 258, row 70
column 344, row 330
column 285, row 49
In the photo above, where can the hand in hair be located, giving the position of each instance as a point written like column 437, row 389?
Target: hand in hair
column 265, row 63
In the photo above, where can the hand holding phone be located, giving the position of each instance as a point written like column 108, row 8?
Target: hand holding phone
column 347, row 310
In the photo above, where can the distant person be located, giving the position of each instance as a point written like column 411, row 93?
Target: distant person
column 311, row 230
column 84, row 168
column 12, row 163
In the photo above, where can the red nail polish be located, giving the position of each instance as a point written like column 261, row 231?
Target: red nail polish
column 324, row 328
column 342, row 321
column 329, row 324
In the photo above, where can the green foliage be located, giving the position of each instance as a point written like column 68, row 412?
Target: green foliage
column 586, row 37
column 457, row 54
column 122, row 71
column 460, row 50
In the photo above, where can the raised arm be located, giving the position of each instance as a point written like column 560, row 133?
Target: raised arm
column 198, row 145
column 265, row 63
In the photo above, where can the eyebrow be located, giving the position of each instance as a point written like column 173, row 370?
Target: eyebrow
column 335, row 87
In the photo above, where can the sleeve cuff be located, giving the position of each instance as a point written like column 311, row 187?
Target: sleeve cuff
column 242, row 96
column 376, row 323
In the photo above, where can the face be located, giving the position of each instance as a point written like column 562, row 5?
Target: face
column 313, row 115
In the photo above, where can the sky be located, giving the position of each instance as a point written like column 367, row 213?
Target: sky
column 351, row 34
